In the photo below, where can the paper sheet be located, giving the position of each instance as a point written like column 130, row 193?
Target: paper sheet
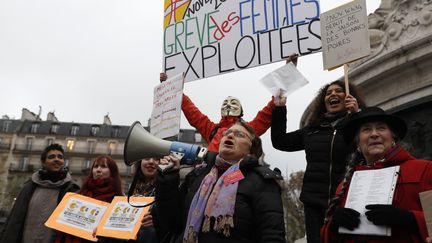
column 370, row 187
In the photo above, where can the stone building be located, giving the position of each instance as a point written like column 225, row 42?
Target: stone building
column 397, row 75
column 22, row 141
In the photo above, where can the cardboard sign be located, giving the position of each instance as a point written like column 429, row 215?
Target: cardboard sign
column 345, row 35
column 77, row 215
column 203, row 38
column 426, row 202
column 83, row 216
column 121, row 220
column 167, row 99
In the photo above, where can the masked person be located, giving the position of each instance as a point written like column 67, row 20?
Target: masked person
column 376, row 136
column 38, row 199
column 231, row 112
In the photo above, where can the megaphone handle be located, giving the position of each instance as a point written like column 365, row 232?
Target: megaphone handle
column 165, row 167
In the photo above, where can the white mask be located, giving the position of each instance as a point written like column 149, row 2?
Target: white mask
column 231, row 106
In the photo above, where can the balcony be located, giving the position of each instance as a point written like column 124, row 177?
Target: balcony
column 5, row 146
column 14, row 167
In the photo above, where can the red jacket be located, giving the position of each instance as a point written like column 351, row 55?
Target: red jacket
column 415, row 177
column 202, row 123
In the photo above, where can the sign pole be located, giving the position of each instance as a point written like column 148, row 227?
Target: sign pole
column 347, row 92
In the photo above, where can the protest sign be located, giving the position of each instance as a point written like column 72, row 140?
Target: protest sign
column 345, row 35
column 203, row 38
column 77, row 215
column 165, row 119
column 80, row 216
column 426, row 202
column 122, row 221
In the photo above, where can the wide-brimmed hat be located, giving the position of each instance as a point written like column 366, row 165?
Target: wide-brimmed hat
column 369, row 114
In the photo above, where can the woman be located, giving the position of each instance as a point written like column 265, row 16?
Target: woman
column 229, row 198
column 376, row 135
column 323, row 145
column 146, row 171
column 103, row 183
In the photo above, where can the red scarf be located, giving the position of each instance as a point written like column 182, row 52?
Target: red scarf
column 100, row 189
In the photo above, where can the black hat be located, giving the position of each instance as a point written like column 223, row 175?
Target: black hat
column 372, row 114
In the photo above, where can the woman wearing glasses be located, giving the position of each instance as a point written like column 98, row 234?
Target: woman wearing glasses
column 229, row 198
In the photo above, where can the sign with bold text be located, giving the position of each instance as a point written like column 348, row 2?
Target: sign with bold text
column 203, row 38
column 345, row 35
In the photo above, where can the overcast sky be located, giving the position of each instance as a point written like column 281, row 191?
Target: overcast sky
column 86, row 58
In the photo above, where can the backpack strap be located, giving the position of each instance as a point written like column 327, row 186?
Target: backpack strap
column 213, row 132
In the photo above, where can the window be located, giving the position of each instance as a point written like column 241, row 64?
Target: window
column 67, row 162
column 54, row 128
column 115, row 132
column 70, row 144
column 35, row 127
column 111, row 147
column 74, row 130
column 6, row 126
column 50, row 141
column 198, row 137
column 24, row 164
column 94, row 130
column 86, row 164
column 91, row 146
column 128, row 170
column 29, row 143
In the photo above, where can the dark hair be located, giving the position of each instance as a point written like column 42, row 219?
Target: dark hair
column 356, row 158
column 54, row 146
column 256, row 147
column 317, row 108
column 114, row 173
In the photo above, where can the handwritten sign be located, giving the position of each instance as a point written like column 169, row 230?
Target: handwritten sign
column 345, row 35
column 165, row 119
column 203, row 38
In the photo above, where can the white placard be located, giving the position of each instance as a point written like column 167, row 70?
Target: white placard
column 203, row 38
column 165, row 119
column 81, row 214
column 286, row 78
column 124, row 217
column 370, row 187
column 345, row 35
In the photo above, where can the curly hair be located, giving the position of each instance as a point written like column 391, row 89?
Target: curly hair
column 317, row 108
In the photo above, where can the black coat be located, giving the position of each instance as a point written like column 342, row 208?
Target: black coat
column 13, row 230
column 326, row 154
column 258, row 214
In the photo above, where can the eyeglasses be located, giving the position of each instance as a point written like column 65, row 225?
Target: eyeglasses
column 236, row 133
column 52, row 156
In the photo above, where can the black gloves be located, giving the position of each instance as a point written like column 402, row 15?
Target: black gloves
column 345, row 217
column 389, row 215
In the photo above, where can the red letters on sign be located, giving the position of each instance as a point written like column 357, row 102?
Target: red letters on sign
column 226, row 26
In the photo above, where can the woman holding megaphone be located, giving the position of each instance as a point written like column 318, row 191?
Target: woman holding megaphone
column 228, row 198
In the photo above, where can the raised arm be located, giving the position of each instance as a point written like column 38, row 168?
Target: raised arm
column 281, row 140
column 262, row 120
column 197, row 119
